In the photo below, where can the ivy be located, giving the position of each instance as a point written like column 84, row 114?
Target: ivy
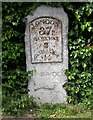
column 80, row 81
column 15, row 78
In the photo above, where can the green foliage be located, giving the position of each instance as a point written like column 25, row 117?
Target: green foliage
column 13, row 15
column 15, row 100
column 80, row 73
column 15, row 94
column 17, row 106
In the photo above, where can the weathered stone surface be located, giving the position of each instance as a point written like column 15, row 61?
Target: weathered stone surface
column 47, row 53
column 46, row 40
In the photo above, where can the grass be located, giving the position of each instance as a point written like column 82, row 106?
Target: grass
column 62, row 111
column 58, row 111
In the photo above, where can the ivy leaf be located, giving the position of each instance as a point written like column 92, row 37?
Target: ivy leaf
column 14, row 23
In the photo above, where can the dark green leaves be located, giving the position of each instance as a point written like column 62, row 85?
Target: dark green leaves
column 80, row 74
column 15, row 78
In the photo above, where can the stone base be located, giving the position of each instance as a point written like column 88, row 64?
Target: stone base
column 56, row 94
column 46, row 85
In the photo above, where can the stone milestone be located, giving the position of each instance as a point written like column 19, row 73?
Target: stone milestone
column 47, row 54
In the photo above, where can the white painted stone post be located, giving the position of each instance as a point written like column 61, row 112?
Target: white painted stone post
column 47, row 52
